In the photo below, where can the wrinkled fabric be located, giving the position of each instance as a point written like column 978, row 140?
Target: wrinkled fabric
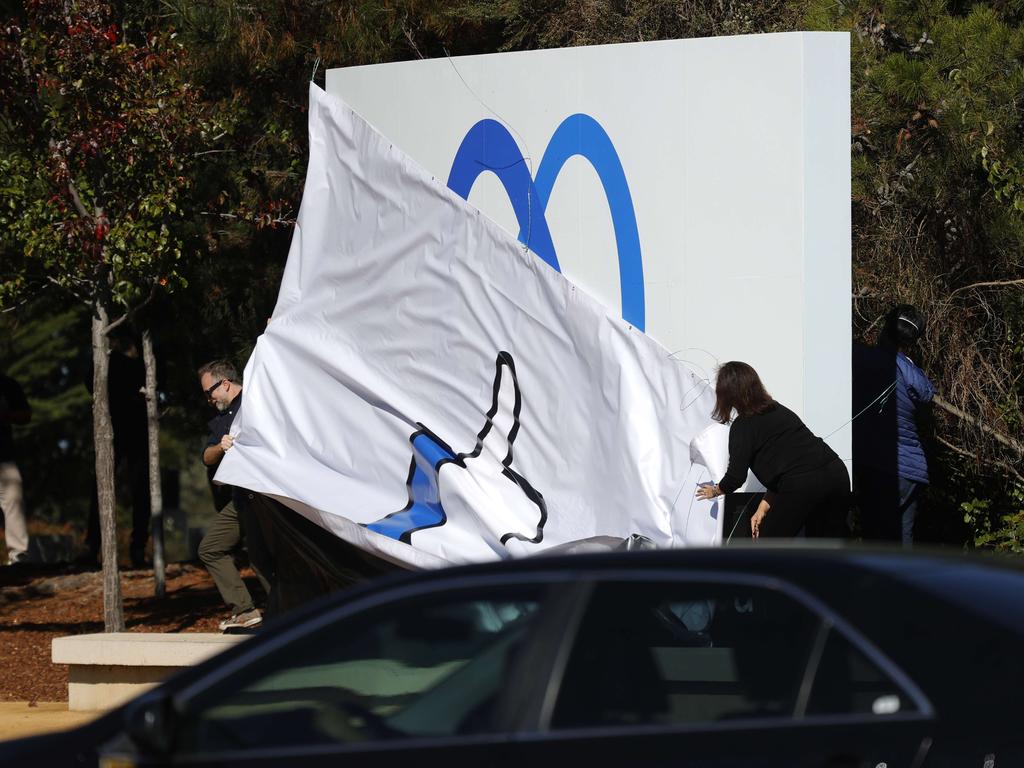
column 430, row 391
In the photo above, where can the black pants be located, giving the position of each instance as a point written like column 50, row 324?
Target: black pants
column 817, row 502
column 134, row 460
column 888, row 505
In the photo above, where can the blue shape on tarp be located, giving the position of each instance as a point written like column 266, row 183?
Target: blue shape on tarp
column 424, row 509
column 488, row 146
column 429, row 454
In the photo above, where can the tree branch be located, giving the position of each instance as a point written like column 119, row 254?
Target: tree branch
column 412, row 42
column 113, row 324
column 20, row 304
column 69, row 289
column 79, row 206
column 987, row 284
column 998, row 436
column 152, row 293
column 131, row 312
column 976, row 457
column 251, row 219
column 75, row 199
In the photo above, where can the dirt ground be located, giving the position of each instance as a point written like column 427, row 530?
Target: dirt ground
column 20, row 718
column 41, row 602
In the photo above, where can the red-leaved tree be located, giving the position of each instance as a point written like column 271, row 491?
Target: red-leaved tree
column 97, row 129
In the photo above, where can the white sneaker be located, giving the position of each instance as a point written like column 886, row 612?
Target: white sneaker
column 244, row 620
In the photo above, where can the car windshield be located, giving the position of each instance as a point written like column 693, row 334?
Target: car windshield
column 428, row 670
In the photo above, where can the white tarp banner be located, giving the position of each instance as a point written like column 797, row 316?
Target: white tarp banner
column 430, row 391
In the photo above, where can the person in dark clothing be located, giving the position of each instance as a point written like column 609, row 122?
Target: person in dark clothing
column 128, row 418
column 890, row 470
column 808, row 487
column 223, row 388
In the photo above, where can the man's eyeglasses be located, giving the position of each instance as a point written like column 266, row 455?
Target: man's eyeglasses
column 209, row 392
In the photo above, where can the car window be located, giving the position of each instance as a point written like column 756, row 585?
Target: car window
column 848, row 682
column 428, row 667
column 677, row 652
column 662, row 653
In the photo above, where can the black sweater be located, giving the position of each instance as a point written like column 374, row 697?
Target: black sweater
column 776, row 445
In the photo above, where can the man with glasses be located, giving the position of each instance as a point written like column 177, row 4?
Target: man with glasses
column 223, row 388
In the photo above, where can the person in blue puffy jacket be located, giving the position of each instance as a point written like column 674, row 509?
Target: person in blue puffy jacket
column 891, row 393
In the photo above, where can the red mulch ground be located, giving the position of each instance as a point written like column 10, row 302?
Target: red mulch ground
column 39, row 603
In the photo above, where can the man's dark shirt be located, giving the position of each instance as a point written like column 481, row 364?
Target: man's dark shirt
column 13, row 399
column 219, row 426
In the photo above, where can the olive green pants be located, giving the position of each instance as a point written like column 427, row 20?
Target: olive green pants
column 217, row 552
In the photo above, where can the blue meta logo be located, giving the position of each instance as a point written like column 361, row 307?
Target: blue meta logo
column 488, row 146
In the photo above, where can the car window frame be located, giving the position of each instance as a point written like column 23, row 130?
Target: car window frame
column 561, row 606
column 828, row 621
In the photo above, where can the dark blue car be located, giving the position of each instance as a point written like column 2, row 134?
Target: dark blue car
column 745, row 656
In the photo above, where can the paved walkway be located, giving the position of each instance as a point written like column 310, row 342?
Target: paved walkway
column 18, row 719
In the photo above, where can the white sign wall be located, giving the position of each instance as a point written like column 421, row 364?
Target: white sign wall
column 699, row 187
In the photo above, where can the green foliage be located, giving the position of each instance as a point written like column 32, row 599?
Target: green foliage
column 938, row 216
column 42, row 351
column 539, row 24
column 998, row 526
column 1008, row 536
column 977, row 515
column 97, row 129
column 252, row 63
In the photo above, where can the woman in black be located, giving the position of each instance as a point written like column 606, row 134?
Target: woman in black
column 808, row 485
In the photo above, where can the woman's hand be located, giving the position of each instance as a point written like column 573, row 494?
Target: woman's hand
column 708, row 491
column 758, row 518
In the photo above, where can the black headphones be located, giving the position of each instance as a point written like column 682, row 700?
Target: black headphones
column 904, row 325
column 917, row 330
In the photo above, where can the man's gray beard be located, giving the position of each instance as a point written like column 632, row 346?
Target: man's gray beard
column 221, row 407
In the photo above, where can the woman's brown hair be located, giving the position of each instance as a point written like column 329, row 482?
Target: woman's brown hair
column 738, row 386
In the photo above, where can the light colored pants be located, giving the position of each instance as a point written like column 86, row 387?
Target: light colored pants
column 15, row 531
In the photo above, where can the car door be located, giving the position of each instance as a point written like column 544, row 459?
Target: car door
column 428, row 674
column 723, row 670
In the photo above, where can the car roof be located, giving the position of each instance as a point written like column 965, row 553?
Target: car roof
column 790, row 559
column 763, row 557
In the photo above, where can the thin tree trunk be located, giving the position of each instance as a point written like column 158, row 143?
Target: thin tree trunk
column 103, row 440
column 156, row 500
